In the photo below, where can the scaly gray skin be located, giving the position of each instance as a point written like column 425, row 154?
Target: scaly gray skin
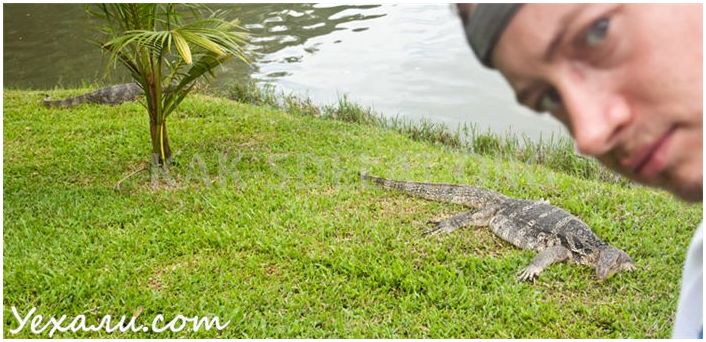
column 112, row 95
column 554, row 233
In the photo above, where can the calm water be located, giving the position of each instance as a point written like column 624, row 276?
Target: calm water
column 406, row 60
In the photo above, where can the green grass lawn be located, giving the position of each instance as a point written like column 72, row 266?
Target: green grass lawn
column 264, row 222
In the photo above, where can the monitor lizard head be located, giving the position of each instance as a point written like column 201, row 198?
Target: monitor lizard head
column 612, row 260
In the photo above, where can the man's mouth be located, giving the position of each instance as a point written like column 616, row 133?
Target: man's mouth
column 650, row 160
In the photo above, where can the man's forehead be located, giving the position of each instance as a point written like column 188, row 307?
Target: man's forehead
column 536, row 27
column 485, row 24
column 533, row 34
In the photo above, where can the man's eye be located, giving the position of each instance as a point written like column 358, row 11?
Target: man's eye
column 549, row 102
column 597, row 32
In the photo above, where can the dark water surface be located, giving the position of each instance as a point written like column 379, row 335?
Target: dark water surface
column 406, row 60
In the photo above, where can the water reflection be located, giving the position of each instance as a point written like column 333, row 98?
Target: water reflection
column 410, row 60
column 284, row 34
column 54, row 39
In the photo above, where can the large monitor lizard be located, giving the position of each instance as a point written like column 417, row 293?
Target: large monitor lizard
column 553, row 232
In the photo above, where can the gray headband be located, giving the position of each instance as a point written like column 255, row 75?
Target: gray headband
column 484, row 27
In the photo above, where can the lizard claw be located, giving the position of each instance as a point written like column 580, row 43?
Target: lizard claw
column 530, row 273
column 431, row 232
column 439, row 228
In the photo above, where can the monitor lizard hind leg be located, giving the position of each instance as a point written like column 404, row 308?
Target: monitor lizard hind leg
column 479, row 218
column 542, row 260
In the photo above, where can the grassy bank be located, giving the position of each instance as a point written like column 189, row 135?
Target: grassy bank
column 556, row 153
column 264, row 222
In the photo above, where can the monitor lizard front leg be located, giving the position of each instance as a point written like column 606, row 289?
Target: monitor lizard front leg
column 542, row 260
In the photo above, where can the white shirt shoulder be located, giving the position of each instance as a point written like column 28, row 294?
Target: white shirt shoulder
column 689, row 319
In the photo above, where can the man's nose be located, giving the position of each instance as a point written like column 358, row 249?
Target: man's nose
column 596, row 118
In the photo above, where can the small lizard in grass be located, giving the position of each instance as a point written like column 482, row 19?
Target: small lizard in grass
column 112, row 95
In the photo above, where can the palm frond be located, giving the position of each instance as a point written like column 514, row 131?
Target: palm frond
column 147, row 38
column 182, row 46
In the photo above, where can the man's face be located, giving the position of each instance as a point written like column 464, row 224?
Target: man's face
column 626, row 80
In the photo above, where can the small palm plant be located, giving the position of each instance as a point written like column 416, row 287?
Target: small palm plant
column 166, row 50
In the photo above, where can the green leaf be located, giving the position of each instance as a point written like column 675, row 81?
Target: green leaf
column 204, row 43
column 182, row 47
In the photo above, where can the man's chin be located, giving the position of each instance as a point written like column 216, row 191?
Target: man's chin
column 693, row 193
column 687, row 184
column 688, row 188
